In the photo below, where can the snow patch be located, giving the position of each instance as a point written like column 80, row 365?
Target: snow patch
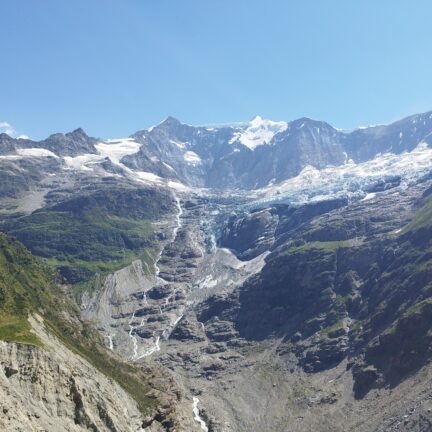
column 178, row 186
column 192, row 158
column 179, row 144
column 80, row 163
column 10, row 157
column 369, row 196
column 169, row 166
column 115, row 150
column 36, row 152
column 148, row 176
column 368, row 126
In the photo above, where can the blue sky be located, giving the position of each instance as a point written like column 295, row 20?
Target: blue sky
column 116, row 66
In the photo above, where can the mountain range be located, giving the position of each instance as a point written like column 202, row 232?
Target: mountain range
column 244, row 156
column 266, row 275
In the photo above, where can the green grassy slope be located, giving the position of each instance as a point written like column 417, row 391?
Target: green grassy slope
column 27, row 287
column 94, row 233
column 362, row 297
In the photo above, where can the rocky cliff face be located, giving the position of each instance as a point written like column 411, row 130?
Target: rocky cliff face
column 52, row 388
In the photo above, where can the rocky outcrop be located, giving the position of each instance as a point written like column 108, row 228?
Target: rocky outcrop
column 54, row 389
column 251, row 234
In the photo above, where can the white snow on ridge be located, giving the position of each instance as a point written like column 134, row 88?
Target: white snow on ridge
column 81, row 162
column 179, row 144
column 179, row 186
column 29, row 153
column 258, row 132
column 368, row 126
column 10, row 157
column 112, row 149
column 369, row 196
column 117, row 140
column 148, row 176
column 192, row 158
column 156, row 125
column 36, row 152
column 116, row 149
column 169, row 166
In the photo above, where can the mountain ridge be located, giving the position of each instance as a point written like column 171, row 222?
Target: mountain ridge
column 278, row 272
column 172, row 121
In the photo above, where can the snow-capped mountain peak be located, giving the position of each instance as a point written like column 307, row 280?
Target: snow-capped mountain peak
column 259, row 131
